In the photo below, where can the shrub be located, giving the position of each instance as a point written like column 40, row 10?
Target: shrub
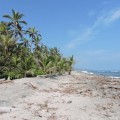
column 30, row 74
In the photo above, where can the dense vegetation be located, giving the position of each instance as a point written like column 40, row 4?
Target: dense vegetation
column 22, row 53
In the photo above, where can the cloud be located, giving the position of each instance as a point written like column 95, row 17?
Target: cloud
column 90, row 32
column 111, row 16
column 85, row 36
column 107, row 18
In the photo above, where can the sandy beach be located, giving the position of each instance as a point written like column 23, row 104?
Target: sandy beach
column 78, row 96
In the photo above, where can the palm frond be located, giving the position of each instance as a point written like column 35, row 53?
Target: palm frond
column 8, row 16
column 24, row 22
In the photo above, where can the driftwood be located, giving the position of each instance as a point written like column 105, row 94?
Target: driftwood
column 32, row 85
column 6, row 81
column 74, row 83
column 47, row 75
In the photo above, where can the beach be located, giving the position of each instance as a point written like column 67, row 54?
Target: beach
column 79, row 96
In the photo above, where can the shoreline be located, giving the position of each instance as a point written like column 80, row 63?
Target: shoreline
column 97, row 74
column 78, row 96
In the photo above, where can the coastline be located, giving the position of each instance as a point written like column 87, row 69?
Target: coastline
column 111, row 74
column 78, row 96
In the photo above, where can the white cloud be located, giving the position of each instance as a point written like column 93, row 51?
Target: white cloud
column 90, row 32
column 112, row 16
column 87, row 35
column 107, row 18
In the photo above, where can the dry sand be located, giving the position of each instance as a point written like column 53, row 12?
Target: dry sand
column 68, row 97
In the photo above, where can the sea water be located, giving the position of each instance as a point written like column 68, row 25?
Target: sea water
column 115, row 74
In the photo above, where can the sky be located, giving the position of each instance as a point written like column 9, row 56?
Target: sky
column 87, row 29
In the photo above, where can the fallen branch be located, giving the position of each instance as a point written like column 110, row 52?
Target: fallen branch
column 32, row 85
column 74, row 83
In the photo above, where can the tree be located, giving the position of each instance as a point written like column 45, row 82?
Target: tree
column 4, row 28
column 16, row 23
column 7, row 54
column 70, row 63
column 21, row 52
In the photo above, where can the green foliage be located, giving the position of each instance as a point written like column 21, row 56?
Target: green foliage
column 22, row 55
column 29, row 74
column 38, row 72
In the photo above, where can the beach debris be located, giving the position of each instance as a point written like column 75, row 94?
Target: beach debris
column 107, row 115
column 75, row 83
column 69, row 102
column 52, row 117
column 105, row 107
column 32, row 85
column 83, row 109
column 6, row 81
column 70, row 90
column 36, row 113
column 45, row 105
column 112, row 86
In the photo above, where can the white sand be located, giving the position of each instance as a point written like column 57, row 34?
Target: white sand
column 70, row 97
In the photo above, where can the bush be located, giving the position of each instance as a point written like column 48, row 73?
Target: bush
column 38, row 72
column 30, row 74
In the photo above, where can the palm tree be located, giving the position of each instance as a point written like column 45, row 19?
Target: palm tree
column 61, row 65
column 7, row 44
column 15, row 22
column 54, row 51
column 7, row 49
column 32, row 32
column 27, row 63
column 45, row 63
column 21, row 52
column 36, row 37
column 70, row 63
column 4, row 29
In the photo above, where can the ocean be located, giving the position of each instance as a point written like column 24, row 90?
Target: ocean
column 114, row 74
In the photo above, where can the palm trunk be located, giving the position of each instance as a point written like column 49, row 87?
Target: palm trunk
column 69, row 73
column 8, row 78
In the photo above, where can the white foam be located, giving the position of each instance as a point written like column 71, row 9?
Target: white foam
column 86, row 72
column 114, row 71
column 91, row 73
column 114, row 77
